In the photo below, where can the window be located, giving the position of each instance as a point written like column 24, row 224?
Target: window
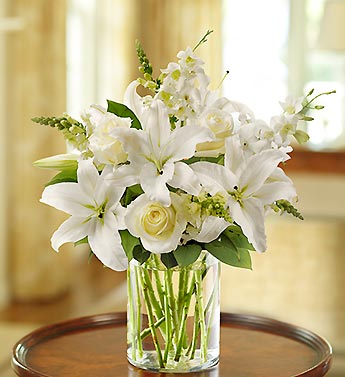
column 276, row 47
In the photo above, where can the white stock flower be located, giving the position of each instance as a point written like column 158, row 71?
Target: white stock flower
column 95, row 212
column 159, row 227
column 156, row 154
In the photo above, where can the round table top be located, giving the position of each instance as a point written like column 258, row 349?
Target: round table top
column 95, row 346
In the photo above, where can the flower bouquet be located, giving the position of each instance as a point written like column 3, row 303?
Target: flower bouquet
column 167, row 186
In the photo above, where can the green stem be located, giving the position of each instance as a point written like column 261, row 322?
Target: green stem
column 210, row 306
column 181, row 290
column 150, row 315
column 138, row 321
column 200, row 305
column 184, row 315
column 168, row 330
column 158, row 280
column 154, row 302
column 146, row 332
column 171, row 297
column 196, row 329
column 132, row 322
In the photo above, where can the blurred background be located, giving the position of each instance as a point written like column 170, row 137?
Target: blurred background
column 58, row 55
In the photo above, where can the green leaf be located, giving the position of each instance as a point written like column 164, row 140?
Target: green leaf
column 235, row 235
column 225, row 251
column 64, row 176
column 169, row 260
column 123, row 111
column 187, row 254
column 82, row 241
column 132, row 192
column 129, row 242
column 140, row 254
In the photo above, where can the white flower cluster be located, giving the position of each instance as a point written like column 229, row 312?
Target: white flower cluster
column 196, row 164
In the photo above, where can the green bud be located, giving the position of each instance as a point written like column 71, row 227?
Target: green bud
column 301, row 136
column 147, row 77
column 59, row 162
column 307, row 119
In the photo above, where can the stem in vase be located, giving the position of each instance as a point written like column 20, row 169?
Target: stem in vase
column 147, row 299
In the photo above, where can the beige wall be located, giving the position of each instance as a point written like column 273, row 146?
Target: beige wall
column 300, row 278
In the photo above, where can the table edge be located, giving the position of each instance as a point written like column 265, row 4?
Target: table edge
column 241, row 321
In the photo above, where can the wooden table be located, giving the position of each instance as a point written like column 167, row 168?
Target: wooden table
column 95, row 346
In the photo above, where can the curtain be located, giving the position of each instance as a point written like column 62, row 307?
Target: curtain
column 36, row 85
column 166, row 27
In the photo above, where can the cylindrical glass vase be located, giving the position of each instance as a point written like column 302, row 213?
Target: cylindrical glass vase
column 173, row 316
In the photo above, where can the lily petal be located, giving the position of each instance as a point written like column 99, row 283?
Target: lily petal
column 88, row 176
column 185, row 179
column 211, row 228
column 270, row 192
column 66, row 197
column 250, row 217
column 183, row 141
column 132, row 99
column 72, row 230
column 258, row 168
column 105, row 243
column 234, row 156
column 155, row 120
column 215, row 178
column 154, row 184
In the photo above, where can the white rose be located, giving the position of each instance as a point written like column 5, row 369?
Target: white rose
column 221, row 124
column 106, row 148
column 159, row 228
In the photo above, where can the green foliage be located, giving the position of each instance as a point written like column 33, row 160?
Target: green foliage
column 169, row 260
column 235, row 235
column 140, row 254
column 69, row 175
column 131, row 193
column 225, row 250
column 129, row 242
column 187, row 254
column 123, row 111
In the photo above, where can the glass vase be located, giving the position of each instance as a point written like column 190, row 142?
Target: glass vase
column 173, row 316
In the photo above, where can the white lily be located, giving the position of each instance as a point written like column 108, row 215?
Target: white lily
column 95, row 212
column 156, row 153
column 249, row 189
